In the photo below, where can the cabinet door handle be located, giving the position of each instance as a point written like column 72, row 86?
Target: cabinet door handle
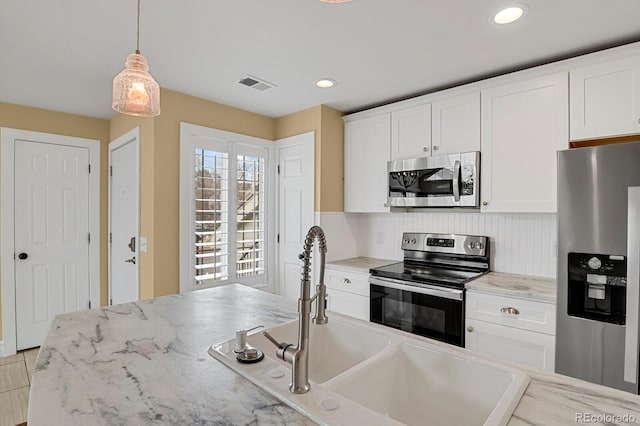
column 485, row 203
column 510, row 311
column 435, row 147
column 346, row 281
column 425, row 149
column 470, row 329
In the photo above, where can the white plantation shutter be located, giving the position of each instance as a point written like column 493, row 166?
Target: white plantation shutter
column 250, row 242
column 228, row 221
column 211, row 216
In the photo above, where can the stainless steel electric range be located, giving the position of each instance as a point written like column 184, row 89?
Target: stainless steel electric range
column 425, row 293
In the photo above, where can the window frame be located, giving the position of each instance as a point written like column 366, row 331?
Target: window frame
column 192, row 137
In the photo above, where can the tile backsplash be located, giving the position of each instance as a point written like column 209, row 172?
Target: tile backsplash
column 520, row 243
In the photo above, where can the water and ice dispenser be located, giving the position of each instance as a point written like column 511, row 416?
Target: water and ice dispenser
column 597, row 287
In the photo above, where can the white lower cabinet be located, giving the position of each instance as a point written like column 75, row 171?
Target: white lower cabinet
column 348, row 293
column 513, row 329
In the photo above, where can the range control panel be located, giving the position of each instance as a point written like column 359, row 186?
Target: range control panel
column 445, row 243
column 440, row 242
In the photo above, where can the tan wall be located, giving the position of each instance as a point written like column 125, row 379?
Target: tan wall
column 332, row 161
column 121, row 124
column 328, row 150
column 176, row 108
column 41, row 120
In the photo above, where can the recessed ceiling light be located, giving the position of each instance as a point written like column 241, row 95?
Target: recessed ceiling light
column 335, row 1
column 325, row 83
column 510, row 14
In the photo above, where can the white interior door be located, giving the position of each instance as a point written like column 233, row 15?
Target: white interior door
column 124, row 196
column 51, row 236
column 296, row 204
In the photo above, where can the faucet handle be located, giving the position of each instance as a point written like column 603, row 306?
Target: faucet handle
column 279, row 345
column 282, row 346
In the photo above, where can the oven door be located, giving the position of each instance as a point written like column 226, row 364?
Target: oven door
column 428, row 311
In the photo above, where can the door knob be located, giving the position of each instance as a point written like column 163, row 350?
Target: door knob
column 132, row 260
column 23, row 256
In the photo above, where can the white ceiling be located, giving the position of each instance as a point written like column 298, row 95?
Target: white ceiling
column 63, row 54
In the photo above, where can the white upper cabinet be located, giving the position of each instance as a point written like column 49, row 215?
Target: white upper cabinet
column 411, row 132
column 605, row 99
column 455, row 124
column 367, row 147
column 524, row 124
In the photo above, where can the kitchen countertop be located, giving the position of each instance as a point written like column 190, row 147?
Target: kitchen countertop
column 541, row 289
column 147, row 362
column 360, row 264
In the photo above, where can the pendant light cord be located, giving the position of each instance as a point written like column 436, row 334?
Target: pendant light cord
column 138, row 31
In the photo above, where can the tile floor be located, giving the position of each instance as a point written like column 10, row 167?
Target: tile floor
column 15, row 379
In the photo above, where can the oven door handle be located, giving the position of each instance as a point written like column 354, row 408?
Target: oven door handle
column 456, row 181
column 447, row 293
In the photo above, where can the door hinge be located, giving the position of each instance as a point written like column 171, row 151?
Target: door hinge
column 89, row 304
column 110, row 170
column 278, row 168
column 89, row 168
column 110, row 237
column 278, row 239
column 89, row 237
column 110, row 301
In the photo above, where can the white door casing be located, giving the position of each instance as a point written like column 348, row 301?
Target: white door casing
column 50, row 212
column 295, row 207
column 124, row 218
column 194, row 137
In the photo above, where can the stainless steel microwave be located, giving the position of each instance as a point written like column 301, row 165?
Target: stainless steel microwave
column 440, row 181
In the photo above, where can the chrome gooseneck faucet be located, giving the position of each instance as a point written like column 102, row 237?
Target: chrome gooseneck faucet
column 298, row 355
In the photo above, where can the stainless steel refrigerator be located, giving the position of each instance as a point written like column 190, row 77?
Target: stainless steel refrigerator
column 598, row 264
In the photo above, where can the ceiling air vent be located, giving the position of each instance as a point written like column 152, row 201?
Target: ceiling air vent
column 256, row 83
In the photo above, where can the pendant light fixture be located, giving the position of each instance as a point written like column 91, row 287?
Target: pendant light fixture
column 135, row 92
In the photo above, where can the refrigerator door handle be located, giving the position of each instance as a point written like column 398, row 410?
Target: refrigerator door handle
column 633, row 286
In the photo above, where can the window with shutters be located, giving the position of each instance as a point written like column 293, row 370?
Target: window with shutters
column 228, row 223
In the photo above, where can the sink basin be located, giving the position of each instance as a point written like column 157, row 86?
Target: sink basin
column 335, row 347
column 363, row 373
column 427, row 385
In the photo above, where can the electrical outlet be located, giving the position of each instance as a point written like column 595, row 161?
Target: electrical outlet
column 379, row 237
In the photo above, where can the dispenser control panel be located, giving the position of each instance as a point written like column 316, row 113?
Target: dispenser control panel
column 597, row 287
column 606, row 269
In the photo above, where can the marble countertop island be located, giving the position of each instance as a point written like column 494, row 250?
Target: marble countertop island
column 147, row 363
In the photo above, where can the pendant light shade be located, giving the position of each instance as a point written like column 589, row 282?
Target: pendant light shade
column 135, row 92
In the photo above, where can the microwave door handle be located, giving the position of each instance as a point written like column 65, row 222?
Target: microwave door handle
column 456, row 181
column 633, row 282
